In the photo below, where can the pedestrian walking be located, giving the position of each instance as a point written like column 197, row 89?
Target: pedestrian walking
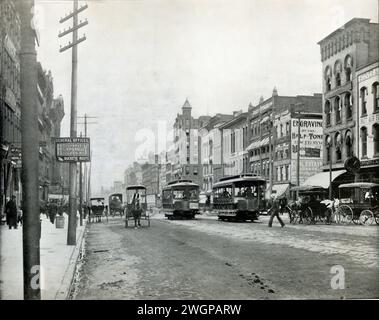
column 52, row 210
column 274, row 212
column 11, row 212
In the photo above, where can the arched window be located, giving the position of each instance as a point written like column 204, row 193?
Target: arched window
column 375, row 93
column 348, row 67
column 375, row 133
column 348, row 105
column 364, row 141
column 328, row 78
column 349, row 143
column 337, row 72
column 328, row 112
column 337, row 109
column 363, row 101
column 338, row 142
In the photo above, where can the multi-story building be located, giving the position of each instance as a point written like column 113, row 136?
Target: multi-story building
column 187, row 160
column 10, row 108
column 273, row 126
column 50, row 115
column 235, row 139
column 343, row 52
column 133, row 175
column 211, row 150
column 367, row 79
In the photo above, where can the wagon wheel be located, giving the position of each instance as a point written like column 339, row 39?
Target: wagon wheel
column 308, row 215
column 345, row 214
column 366, row 217
column 376, row 216
column 293, row 216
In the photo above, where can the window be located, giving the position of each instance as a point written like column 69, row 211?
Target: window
column 364, row 141
column 287, row 172
column 338, row 140
column 375, row 132
column 328, row 77
column 348, row 106
column 363, row 101
column 281, row 130
column 338, row 79
column 281, row 174
column 375, row 93
column 287, row 128
column 328, row 112
column 348, row 143
column 337, row 109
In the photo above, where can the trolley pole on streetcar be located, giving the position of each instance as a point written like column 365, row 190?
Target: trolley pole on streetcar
column 71, row 232
column 29, row 148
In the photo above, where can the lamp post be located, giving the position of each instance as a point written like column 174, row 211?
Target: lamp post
column 329, row 145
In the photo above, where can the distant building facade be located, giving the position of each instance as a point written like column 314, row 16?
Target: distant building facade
column 10, row 103
column 187, row 146
column 273, row 126
column 211, row 150
column 235, row 140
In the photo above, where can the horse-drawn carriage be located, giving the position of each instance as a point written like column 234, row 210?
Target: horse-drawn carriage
column 98, row 209
column 359, row 203
column 116, row 205
column 136, row 207
column 311, row 206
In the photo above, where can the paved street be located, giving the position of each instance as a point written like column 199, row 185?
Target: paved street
column 208, row 259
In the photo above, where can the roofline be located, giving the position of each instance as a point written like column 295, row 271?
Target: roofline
column 351, row 21
column 237, row 118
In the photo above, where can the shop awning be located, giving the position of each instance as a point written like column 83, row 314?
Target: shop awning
column 277, row 189
column 322, row 179
column 280, row 189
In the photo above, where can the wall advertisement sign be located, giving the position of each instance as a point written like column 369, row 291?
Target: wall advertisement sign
column 311, row 138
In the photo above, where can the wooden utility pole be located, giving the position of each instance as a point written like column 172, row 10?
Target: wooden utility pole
column 71, row 233
column 29, row 149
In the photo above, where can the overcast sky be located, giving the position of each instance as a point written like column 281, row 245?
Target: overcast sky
column 143, row 58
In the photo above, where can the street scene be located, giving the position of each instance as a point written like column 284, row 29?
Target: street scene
column 189, row 150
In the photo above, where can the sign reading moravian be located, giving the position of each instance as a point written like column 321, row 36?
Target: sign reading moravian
column 72, row 149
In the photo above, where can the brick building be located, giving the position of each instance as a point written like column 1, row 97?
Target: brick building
column 344, row 52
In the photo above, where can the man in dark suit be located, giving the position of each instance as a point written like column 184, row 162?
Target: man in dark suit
column 274, row 211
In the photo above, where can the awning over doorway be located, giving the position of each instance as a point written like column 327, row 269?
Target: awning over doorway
column 277, row 189
column 322, row 179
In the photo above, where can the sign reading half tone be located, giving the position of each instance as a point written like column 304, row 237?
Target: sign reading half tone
column 72, row 149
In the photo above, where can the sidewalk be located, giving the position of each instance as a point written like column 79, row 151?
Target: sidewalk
column 58, row 261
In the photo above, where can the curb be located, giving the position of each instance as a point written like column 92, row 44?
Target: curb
column 64, row 290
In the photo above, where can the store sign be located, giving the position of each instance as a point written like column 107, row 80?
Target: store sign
column 311, row 138
column 369, row 74
column 72, row 149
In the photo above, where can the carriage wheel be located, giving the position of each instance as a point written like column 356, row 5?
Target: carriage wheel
column 345, row 214
column 376, row 216
column 366, row 217
column 308, row 215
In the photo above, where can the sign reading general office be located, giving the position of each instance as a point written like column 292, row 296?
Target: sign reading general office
column 72, row 149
